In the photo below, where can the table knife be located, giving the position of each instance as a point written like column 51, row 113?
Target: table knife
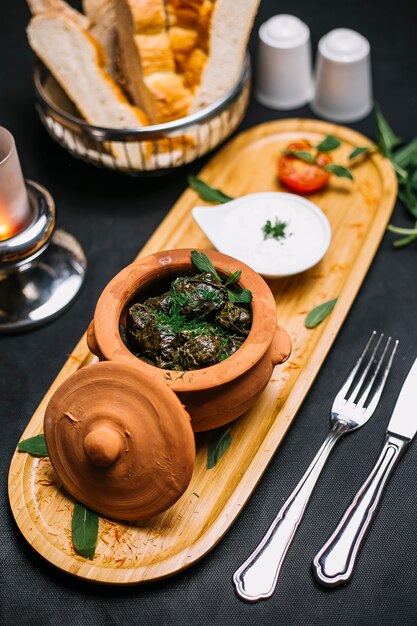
column 334, row 563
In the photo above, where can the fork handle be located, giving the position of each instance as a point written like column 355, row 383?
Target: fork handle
column 334, row 563
column 257, row 577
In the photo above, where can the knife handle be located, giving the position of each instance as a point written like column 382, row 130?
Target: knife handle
column 334, row 563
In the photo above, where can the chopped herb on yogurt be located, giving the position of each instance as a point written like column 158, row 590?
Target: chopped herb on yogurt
column 275, row 231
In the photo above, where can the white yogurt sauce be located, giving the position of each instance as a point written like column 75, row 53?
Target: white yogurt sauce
column 240, row 233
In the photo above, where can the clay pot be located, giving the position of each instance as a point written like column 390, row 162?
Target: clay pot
column 119, row 433
column 215, row 395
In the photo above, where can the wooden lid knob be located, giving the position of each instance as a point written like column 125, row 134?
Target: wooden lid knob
column 120, row 441
column 102, row 445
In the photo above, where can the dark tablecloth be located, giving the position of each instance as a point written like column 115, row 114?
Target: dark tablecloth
column 113, row 216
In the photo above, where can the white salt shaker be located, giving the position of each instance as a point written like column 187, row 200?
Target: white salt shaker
column 343, row 89
column 284, row 63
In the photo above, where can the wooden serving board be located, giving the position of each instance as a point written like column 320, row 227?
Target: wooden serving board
column 358, row 213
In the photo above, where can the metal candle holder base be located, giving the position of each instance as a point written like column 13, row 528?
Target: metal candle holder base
column 41, row 270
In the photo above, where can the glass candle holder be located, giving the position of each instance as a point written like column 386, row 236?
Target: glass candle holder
column 15, row 211
column 41, row 269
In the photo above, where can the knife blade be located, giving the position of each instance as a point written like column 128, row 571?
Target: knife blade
column 334, row 563
column 404, row 418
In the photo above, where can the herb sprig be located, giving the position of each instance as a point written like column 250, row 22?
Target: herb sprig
column 327, row 144
column 276, row 230
column 387, row 140
column 203, row 263
column 404, row 162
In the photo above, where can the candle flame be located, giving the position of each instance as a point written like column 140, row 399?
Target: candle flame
column 9, row 226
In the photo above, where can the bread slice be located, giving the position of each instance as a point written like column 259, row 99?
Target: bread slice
column 99, row 19
column 92, row 7
column 76, row 61
column 148, row 62
column 60, row 6
column 231, row 23
column 103, row 29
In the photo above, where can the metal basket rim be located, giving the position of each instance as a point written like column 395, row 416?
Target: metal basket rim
column 147, row 132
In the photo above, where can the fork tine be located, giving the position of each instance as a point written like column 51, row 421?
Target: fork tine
column 349, row 380
column 372, row 405
column 355, row 393
column 377, row 366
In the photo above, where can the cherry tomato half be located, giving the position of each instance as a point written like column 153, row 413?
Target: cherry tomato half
column 300, row 176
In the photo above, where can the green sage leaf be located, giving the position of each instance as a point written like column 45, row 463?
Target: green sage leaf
column 84, row 530
column 208, row 193
column 36, row 446
column 338, row 170
column 328, row 144
column 387, row 139
column 319, row 313
column 361, row 150
column 217, row 447
column 233, row 278
column 301, row 154
column 243, row 296
column 203, row 263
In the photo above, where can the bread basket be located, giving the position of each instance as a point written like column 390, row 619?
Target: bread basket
column 145, row 151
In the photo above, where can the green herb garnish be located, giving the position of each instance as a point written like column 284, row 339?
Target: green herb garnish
column 387, row 139
column 203, row 263
column 176, row 322
column 36, row 446
column 328, row 144
column 303, row 155
column 407, row 156
column 404, row 162
column 274, row 231
column 208, row 193
column 319, row 313
column 243, row 296
column 362, row 150
column 233, row 278
column 338, row 170
column 217, row 447
column 84, row 530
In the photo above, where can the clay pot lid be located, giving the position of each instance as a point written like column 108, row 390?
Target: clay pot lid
column 120, row 441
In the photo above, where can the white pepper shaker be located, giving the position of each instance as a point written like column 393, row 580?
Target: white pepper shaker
column 343, row 89
column 284, row 76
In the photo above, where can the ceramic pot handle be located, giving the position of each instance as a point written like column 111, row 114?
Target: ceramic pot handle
column 281, row 346
column 92, row 343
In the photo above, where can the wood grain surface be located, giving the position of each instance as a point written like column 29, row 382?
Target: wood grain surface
column 358, row 213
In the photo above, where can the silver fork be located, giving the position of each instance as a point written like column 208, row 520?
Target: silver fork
column 352, row 407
